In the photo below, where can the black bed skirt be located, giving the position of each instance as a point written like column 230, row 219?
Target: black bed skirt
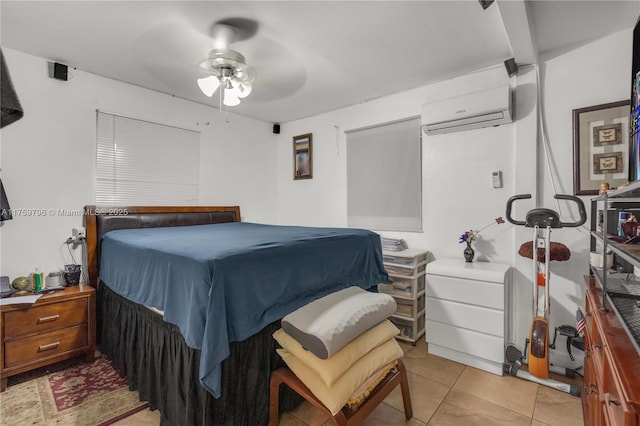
column 158, row 364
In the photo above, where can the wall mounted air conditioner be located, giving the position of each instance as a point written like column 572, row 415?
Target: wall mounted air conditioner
column 485, row 108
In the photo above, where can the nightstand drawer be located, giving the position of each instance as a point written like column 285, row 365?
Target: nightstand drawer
column 46, row 317
column 45, row 345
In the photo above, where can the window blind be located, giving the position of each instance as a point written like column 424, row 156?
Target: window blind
column 384, row 177
column 145, row 163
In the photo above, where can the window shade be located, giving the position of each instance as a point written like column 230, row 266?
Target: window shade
column 144, row 163
column 384, row 177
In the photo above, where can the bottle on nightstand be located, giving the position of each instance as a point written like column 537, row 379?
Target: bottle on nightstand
column 38, row 279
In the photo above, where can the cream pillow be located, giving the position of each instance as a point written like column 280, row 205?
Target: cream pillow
column 332, row 368
column 365, row 389
column 334, row 397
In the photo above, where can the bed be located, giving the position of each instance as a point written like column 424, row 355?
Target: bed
column 195, row 268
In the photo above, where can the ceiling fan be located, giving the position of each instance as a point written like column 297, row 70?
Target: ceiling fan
column 225, row 68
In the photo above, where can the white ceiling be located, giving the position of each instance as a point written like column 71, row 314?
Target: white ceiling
column 310, row 56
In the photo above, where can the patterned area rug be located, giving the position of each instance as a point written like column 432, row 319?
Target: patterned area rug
column 77, row 394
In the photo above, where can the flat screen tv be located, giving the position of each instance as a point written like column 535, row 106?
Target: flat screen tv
column 634, row 121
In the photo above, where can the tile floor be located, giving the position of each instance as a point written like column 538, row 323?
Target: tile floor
column 445, row 393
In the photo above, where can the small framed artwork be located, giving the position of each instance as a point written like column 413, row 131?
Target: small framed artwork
column 303, row 156
column 600, row 147
column 609, row 134
column 607, row 163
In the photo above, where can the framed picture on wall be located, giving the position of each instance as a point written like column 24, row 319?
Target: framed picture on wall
column 600, row 147
column 303, row 156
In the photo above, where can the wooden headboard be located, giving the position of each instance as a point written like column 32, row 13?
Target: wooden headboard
column 98, row 220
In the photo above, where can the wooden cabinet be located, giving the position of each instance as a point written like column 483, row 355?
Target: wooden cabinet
column 465, row 312
column 59, row 326
column 611, row 385
column 406, row 284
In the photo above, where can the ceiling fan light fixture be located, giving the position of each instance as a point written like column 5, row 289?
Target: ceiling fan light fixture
column 243, row 90
column 208, row 85
column 231, row 97
column 230, row 70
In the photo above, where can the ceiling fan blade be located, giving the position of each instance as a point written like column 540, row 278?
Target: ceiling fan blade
column 173, row 43
column 278, row 71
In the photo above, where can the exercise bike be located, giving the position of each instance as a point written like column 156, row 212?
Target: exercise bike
column 541, row 250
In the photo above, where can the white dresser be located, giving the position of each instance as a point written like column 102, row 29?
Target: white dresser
column 465, row 319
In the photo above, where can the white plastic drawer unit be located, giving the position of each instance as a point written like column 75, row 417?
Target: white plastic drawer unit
column 405, row 271
column 465, row 306
column 406, row 285
column 409, row 307
column 410, row 329
column 407, row 263
column 403, row 287
column 409, row 258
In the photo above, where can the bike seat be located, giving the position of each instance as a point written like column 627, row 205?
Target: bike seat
column 542, row 218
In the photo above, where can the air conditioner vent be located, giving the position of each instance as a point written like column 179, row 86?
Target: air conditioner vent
column 485, row 108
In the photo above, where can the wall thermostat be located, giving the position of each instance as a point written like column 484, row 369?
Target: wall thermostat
column 497, row 179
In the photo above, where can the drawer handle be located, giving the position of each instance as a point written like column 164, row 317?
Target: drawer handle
column 597, row 346
column 611, row 401
column 48, row 319
column 48, row 346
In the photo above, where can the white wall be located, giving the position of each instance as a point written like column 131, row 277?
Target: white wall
column 48, row 157
column 457, row 189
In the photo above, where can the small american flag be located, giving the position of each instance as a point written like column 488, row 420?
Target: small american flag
column 580, row 322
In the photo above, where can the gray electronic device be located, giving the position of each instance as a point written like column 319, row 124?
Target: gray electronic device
column 497, row 179
column 5, row 287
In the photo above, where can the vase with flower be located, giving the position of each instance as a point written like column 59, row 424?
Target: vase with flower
column 470, row 236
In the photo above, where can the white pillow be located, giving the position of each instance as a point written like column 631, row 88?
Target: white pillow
column 325, row 325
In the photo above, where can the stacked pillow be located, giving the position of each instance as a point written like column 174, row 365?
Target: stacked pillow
column 341, row 346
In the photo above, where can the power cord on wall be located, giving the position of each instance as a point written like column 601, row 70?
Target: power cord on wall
column 543, row 132
column 74, row 241
column 545, row 145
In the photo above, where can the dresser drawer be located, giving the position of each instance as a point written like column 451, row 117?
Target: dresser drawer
column 47, row 317
column 475, row 292
column 470, row 342
column 477, row 318
column 45, row 345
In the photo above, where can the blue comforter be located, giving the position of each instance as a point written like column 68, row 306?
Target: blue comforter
column 225, row 282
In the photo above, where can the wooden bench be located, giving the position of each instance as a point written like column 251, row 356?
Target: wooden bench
column 344, row 417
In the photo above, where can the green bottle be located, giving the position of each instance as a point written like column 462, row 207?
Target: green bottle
column 37, row 281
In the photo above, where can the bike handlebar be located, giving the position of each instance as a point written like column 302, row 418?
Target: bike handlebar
column 510, row 203
column 578, row 201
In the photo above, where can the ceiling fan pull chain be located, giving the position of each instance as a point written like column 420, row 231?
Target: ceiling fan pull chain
column 220, row 95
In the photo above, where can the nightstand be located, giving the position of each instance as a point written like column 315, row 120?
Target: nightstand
column 59, row 326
